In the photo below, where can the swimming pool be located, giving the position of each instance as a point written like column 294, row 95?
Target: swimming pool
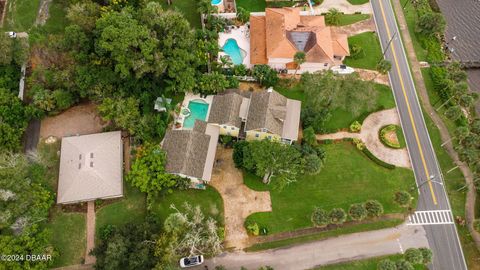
column 216, row 2
column 198, row 110
column 236, row 53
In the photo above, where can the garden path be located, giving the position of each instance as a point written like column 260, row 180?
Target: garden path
column 368, row 75
column 369, row 135
column 239, row 201
column 89, row 259
column 356, row 28
column 343, row 6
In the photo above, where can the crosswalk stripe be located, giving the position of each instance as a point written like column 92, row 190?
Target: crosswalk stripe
column 433, row 217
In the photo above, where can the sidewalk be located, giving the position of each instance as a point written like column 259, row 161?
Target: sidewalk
column 422, row 92
column 90, row 232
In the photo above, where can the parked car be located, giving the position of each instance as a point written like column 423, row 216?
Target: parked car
column 191, row 261
column 12, row 34
column 342, row 69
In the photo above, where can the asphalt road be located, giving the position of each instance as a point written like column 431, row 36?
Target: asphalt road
column 349, row 247
column 443, row 239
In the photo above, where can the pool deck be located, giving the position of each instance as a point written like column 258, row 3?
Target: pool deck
column 242, row 36
column 180, row 118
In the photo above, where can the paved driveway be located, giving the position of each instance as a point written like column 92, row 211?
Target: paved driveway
column 338, row 249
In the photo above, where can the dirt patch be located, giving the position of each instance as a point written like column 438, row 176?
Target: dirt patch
column 78, row 120
column 372, row 75
column 3, row 8
column 250, row 86
column 356, row 28
column 238, row 200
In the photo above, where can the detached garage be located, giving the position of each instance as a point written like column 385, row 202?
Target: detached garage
column 91, row 167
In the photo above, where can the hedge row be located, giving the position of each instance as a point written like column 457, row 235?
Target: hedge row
column 377, row 160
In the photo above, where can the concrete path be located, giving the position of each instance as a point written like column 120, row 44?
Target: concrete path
column 343, row 6
column 90, row 232
column 369, row 135
column 333, row 250
column 239, row 201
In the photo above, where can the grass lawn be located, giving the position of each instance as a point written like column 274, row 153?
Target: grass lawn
column 347, row 177
column 410, row 18
column 346, row 19
column 56, row 21
column 342, row 119
column 400, row 137
column 372, row 52
column 366, row 264
column 358, row 2
column 375, row 225
column 188, row 8
column 252, row 5
column 21, row 16
column 209, row 200
column 131, row 208
column 68, row 237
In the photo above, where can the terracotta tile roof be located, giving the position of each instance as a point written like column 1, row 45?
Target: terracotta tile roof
column 282, row 32
column 258, row 43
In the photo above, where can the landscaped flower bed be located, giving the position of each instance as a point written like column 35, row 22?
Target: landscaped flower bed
column 389, row 136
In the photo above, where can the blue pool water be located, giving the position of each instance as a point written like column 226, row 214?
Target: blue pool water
column 198, row 110
column 216, row 2
column 231, row 48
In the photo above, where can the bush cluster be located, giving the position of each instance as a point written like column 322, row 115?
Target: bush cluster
column 337, row 216
column 412, row 256
column 382, row 134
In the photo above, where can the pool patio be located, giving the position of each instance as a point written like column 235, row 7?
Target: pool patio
column 180, row 117
column 242, row 35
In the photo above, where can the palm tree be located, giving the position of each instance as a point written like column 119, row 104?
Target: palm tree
column 384, row 66
column 333, row 16
column 454, row 112
column 298, row 59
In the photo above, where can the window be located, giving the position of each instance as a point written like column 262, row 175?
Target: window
column 325, row 65
column 270, row 137
column 225, row 127
column 91, row 155
column 228, row 133
column 257, row 135
column 232, row 128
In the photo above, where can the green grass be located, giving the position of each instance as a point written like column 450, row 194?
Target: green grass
column 68, row 237
column 367, row 264
column 358, row 2
column 187, row 7
column 372, row 52
column 377, row 225
column 130, row 209
column 21, row 16
column 409, row 14
column 209, row 201
column 342, row 119
column 252, row 5
column 346, row 19
column 400, row 137
column 56, row 21
column 347, row 177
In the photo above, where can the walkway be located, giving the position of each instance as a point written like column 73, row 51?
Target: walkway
column 445, row 136
column 343, row 6
column 333, row 250
column 90, row 232
column 369, row 135
column 239, row 201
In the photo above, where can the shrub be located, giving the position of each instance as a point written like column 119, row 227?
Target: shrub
column 403, row 198
column 320, row 217
column 312, row 164
column 265, row 75
column 357, row 211
column 356, row 51
column 426, row 255
column 359, row 144
column 414, row 256
column 383, row 136
column 404, row 265
column 337, row 216
column 226, row 140
column 386, row 265
column 220, row 267
column 374, row 208
column 355, row 126
column 240, row 70
column 238, row 150
column 309, row 136
column 253, row 229
column 377, row 160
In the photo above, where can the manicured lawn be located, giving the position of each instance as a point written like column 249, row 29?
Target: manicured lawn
column 22, row 15
column 342, row 119
column 347, row 177
column 252, row 5
column 375, row 225
column 400, row 137
column 346, row 19
column 368, row 264
column 188, row 8
column 68, row 233
column 372, row 52
column 209, row 201
column 131, row 208
column 358, row 2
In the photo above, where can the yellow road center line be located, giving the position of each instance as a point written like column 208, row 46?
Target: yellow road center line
column 434, row 198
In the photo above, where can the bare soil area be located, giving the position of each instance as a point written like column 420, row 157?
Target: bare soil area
column 78, row 120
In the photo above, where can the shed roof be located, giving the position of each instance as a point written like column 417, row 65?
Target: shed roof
column 90, row 167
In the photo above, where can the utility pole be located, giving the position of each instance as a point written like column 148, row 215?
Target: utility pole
column 388, row 44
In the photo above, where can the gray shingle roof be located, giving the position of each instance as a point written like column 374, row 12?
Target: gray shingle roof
column 225, row 109
column 91, row 167
column 186, row 152
column 268, row 110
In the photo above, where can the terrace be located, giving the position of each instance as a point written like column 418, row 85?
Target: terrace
column 192, row 108
column 235, row 44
